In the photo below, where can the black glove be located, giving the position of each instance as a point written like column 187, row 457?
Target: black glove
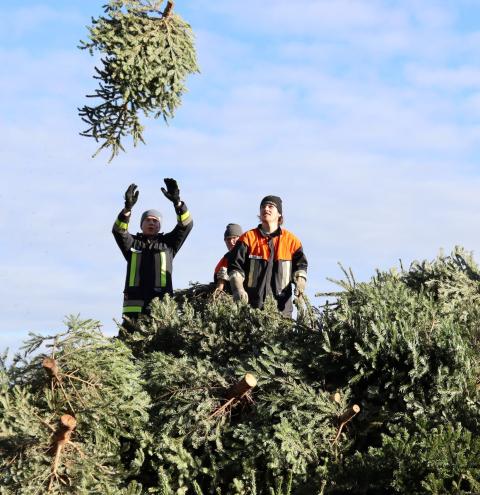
column 172, row 192
column 131, row 196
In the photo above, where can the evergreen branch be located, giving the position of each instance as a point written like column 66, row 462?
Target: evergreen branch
column 145, row 59
column 45, row 423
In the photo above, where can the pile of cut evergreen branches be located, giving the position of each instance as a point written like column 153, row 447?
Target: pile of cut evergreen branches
column 378, row 393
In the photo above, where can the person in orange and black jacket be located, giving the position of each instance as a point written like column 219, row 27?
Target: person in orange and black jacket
column 220, row 275
column 149, row 254
column 266, row 260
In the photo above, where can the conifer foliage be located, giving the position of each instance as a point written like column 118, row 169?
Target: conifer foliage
column 66, row 413
column 147, row 55
column 377, row 392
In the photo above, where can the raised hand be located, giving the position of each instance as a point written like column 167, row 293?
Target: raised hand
column 172, row 192
column 131, row 196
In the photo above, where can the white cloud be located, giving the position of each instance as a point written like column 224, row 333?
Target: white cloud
column 372, row 166
column 454, row 79
column 21, row 20
column 307, row 16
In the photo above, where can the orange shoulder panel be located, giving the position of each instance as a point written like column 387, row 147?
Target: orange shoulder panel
column 256, row 243
column 223, row 263
column 248, row 237
column 285, row 245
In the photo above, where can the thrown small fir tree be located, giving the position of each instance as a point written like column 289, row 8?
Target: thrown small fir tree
column 146, row 56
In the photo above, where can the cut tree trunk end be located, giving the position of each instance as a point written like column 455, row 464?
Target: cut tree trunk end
column 242, row 387
column 51, row 368
column 336, row 397
column 348, row 415
column 168, row 9
column 60, row 439
column 235, row 394
column 67, row 424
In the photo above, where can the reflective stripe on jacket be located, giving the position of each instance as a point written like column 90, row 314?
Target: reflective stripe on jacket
column 268, row 263
column 149, row 260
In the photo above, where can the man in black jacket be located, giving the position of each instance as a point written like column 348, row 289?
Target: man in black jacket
column 149, row 254
column 267, row 260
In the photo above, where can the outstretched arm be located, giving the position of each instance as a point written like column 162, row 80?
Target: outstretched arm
column 177, row 236
column 120, row 228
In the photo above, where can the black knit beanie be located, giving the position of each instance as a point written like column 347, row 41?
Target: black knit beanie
column 275, row 200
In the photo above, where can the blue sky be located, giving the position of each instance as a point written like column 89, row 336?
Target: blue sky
column 362, row 115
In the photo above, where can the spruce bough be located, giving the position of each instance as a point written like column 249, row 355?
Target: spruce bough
column 153, row 412
column 147, row 55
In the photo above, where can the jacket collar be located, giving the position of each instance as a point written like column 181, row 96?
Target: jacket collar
column 143, row 237
column 275, row 233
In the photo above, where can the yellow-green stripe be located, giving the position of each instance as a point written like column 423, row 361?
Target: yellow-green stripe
column 121, row 225
column 163, row 269
column 183, row 216
column 132, row 309
column 133, row 270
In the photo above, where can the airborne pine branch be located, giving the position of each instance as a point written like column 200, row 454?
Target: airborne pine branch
column 147, row 55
